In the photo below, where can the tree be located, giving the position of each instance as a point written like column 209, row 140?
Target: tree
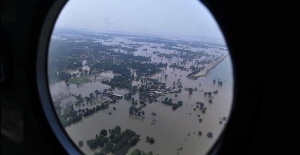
column 124, row 150
column 190, row 90
column 136, row 152
column 107, row 147
column 124, row 141
column 103, row 132
column 151, row 140
column 117, row 130
column 91, row 95
column 216, row 92
column 106, row 139
column 209, row 134
column 179, row 103
column 199, row 133
column 111, row 131
column 87, row 99
column 80, row 143
column 112, row 136
column 116, row 147
column 220, row 83
column 101, row 143
column 133, row 140
column 92, row 143
column 97, row 92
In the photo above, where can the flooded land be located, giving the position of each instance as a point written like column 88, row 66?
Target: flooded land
column 116, row 93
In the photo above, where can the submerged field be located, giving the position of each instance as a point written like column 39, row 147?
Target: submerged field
column 151, row 75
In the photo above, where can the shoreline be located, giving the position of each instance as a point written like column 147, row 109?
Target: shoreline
column 205, row 71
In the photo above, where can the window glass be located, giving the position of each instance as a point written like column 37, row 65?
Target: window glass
column 140, row 76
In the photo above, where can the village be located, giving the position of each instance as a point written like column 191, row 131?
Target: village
column 138, row 75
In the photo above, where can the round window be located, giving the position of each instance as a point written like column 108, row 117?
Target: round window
column 140, row 76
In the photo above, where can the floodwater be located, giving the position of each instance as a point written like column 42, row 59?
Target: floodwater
column 170, row 129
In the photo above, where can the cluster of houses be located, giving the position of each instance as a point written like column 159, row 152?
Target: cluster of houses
column 111, row 97
column 159, row 92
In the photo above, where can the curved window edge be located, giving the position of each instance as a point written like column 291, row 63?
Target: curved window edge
column 42, row 79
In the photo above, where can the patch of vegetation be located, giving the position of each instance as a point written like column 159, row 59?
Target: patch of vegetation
column 80, row 143
column 79, row 80
column 139, row 152
column 150, row 140
column 116, row 142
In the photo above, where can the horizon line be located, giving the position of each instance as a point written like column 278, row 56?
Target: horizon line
column 176, row 36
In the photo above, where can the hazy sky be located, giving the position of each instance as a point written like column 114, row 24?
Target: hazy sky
column 162, row 17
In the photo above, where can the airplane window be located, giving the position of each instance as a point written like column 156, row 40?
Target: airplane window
column 140, row 76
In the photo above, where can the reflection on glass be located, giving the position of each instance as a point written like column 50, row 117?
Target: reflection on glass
column 151, row 76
